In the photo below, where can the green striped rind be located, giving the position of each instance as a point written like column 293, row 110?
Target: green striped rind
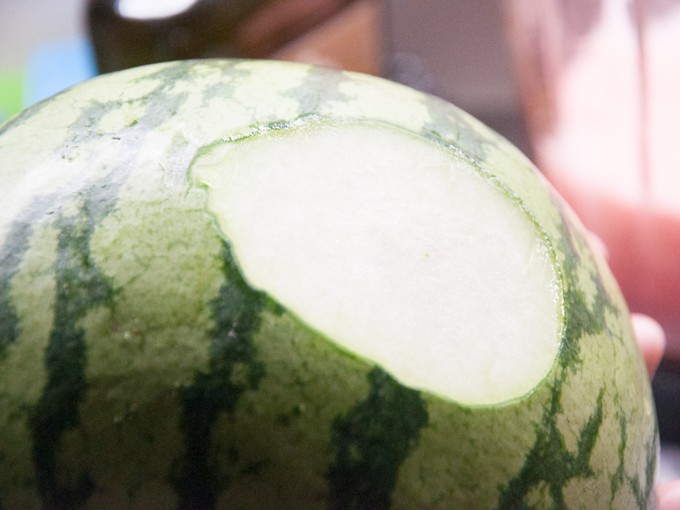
column 184, row 388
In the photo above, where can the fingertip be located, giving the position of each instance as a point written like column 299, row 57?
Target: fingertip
column 651, row 340
column 598, row 245
column 668, row 496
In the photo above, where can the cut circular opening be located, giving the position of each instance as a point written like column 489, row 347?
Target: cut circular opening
column 395, row 248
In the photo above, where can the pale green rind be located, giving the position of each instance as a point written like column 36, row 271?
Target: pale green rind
column 138, row 133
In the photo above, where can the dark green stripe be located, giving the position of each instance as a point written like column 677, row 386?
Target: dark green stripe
column 236, row 313
column 645, row 495
column 582, row 318
column 549, row 462
column 12, row 253
column 80, row 287
column 320, row 84
column 460, row 133
column 371, row 441
column 619, row 477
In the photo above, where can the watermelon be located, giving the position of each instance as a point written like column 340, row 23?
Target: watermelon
column 252, row 285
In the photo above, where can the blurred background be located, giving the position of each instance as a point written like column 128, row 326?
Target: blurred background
column 454, row 49
column 562, row 80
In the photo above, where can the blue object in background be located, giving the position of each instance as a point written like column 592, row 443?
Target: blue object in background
column 56, row 66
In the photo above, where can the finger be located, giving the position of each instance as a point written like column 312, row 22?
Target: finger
column 597, row 245
column 651, row 340
column 669, row 496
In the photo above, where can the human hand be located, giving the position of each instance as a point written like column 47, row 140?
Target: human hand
column 652, row 341
column 668, row 495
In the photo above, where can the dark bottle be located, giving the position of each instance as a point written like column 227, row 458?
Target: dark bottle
column 129, row 33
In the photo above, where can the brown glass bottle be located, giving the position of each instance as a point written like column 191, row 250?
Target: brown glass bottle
column 124, row 36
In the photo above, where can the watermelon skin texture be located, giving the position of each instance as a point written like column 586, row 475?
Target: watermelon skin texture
column 138, row 369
